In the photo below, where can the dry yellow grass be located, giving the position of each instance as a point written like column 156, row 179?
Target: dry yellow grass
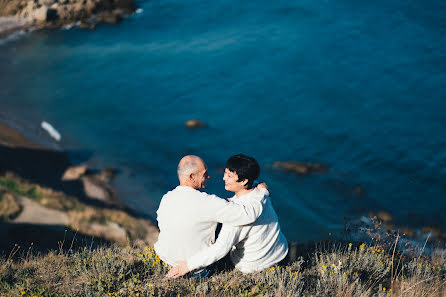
column 341, row 270
column 137, row 271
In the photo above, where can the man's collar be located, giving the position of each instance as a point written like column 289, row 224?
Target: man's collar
column 185, row 188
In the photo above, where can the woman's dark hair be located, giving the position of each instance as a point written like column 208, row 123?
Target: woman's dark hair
column 245, row 167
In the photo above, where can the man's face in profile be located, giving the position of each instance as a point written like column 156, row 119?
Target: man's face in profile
column 200, row 177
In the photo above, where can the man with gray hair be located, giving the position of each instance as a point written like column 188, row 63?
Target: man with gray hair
column 187, row 218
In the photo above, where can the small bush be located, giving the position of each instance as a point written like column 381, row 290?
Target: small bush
column 9, row 207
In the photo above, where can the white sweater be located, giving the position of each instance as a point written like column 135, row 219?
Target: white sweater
column 257, row 246
column 187, row 220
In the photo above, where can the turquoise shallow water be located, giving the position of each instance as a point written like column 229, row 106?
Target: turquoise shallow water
column 358, row 86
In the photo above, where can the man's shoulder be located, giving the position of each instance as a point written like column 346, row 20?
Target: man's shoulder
column 171, row 196
column 182, row 192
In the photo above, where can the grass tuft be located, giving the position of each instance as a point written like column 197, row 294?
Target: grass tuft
column 342, row 270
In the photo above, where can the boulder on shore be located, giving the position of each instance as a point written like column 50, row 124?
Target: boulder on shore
column 95, row 187
column 74, row 172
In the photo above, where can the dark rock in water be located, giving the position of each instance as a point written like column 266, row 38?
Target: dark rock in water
column 408, row 232
column 124, row 5
column 292, row 166
column 318, row 167
column 87, row 25
column 84, row 25
column 384, row 216
column 111, row 18
column 358, row 191
column 108, row 174
column 301, row 168
column 194, row 124
column 389, row 227
column 436, row 231
column 342, row 174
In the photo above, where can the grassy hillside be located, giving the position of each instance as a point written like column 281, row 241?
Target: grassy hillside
column 109, row 223
column 131, row 271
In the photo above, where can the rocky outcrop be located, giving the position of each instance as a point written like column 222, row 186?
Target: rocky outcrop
column 301, row 168
column 57, row 13
column 194, row 124
column 34, row 213
column 40, row 208
column 96, row 188
column 37, row 207
column 74, row 172
column 384, row 216
column 110, row 231
column 108, row 174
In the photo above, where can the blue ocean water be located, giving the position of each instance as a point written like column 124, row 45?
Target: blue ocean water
column 360, row 86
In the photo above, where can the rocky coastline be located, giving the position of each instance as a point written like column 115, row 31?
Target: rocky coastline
column 16, row 15
column 46, row 199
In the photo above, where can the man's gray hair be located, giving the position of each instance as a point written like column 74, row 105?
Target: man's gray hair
column 188, row 165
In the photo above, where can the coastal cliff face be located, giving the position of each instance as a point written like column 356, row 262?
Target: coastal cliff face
column 57, row 13
column 45, row 199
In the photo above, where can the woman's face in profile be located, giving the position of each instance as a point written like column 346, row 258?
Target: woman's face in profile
column 231, row 181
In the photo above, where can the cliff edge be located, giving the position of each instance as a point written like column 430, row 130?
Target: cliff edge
column 58, row 13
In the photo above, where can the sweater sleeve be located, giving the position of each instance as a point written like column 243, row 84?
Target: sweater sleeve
column 238, row 213
column 226, row 239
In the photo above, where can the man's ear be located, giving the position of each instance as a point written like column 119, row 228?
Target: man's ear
column 245, row 182
column 191, row 176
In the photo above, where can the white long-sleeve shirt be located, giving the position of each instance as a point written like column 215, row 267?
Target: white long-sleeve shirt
column 257, row 246
column 187, row 220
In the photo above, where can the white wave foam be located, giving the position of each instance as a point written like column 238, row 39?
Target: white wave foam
column 11, row 28
column 69, row 26
column 51, row 131
column 139, row 10
column 13, row 36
